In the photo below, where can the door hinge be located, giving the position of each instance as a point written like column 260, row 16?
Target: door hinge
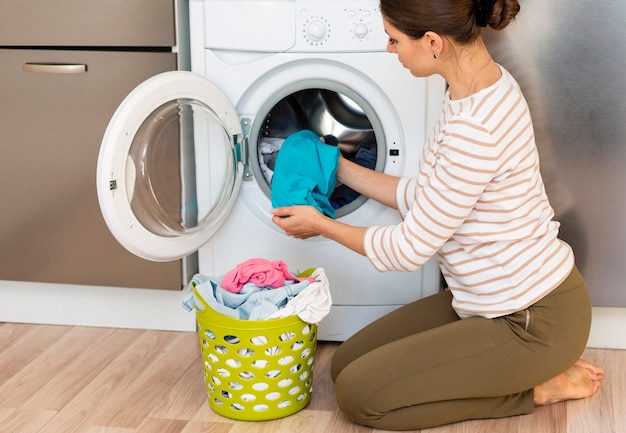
column 244, row 154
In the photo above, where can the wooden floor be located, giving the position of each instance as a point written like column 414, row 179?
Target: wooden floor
column 56, row 379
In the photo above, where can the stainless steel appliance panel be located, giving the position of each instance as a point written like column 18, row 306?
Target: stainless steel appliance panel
column 570, row 57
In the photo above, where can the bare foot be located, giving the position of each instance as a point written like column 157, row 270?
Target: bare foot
column 579, row 381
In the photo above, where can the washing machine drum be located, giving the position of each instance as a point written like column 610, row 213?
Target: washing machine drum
column 327, row 113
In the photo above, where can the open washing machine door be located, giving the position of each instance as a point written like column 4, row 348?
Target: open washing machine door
column 169, row 168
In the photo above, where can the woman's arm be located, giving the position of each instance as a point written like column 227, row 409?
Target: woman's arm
column 305, row 221
column 373, row 184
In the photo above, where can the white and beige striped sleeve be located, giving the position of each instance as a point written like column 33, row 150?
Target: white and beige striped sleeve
column 455, row 171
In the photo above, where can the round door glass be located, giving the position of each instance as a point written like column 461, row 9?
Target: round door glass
column 175, row 182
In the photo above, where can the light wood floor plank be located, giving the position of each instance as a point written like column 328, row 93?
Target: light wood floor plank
column 103, row 429
column 322, row 398
column 21, row 352
column 77, row 374
column 154, row 425
column 27, row 421
column 57, row 379
column 339, row 423
column 306, row 421
column 598, row 412
column 101, row 393
column 162, row 369
column 52, row 361
column 105, row 396
column 545, row 419
column 4, row 413
column 186, row 396
column 618, row 384
column 10, row 333
column 207, row 427
column 206, row 415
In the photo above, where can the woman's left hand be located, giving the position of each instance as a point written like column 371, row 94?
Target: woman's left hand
column 298, row 221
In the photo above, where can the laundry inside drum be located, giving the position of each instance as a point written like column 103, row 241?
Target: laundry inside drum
column 327, row 113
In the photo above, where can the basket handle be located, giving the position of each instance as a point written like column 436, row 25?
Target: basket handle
column 306, row 273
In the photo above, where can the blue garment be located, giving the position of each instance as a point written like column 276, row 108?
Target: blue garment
column 305, row 171
column 343, row 195
column 252, row 303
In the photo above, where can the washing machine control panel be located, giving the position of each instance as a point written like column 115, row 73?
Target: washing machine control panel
column 339, row 26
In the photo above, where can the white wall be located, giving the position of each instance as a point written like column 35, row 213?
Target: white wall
column 61, row 304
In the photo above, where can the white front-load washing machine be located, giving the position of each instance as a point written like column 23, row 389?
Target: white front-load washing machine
column 186, row 162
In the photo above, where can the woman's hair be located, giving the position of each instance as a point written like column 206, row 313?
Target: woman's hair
column 461, row 20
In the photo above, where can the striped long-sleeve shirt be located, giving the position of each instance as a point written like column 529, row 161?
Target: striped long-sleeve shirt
column 479, row 203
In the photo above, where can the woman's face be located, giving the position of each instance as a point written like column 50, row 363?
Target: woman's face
column 412, row 53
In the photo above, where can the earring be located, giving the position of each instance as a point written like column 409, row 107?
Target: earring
column 436, row 56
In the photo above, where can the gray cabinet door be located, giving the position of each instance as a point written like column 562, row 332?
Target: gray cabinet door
column 51, row 126
column 81, row 23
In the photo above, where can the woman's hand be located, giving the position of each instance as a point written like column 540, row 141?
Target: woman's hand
column 301, row 222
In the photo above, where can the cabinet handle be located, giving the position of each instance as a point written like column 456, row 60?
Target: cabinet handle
column 54, row 68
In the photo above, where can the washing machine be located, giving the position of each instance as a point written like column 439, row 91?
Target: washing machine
column 186, row 162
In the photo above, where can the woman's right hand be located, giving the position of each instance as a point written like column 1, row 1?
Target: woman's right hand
column 298, row 221
column 303, row 222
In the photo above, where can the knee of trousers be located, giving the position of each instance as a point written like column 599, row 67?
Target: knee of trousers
column 352, row 400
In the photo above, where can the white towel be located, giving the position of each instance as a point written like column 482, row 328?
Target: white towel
column 312, row 304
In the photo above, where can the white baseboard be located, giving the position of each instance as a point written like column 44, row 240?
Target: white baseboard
column 60, row 304
column 608, row 328
column 64, row 304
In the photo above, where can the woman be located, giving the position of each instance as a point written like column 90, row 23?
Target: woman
column 509, row 332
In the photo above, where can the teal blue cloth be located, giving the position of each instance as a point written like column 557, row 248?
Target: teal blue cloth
column 305, row 172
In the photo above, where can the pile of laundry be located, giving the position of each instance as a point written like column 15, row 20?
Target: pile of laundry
column 259, row 289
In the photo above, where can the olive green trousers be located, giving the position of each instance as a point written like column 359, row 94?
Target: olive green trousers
column 421, row 366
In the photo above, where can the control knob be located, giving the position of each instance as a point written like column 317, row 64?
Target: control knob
column 360, row 30
column 316, row 31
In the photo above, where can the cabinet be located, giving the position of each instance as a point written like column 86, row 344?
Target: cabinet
column 66, row 66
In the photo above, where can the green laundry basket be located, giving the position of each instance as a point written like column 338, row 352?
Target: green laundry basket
column 256, row 370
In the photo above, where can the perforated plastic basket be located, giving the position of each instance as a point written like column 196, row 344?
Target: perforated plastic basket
column 256, row 370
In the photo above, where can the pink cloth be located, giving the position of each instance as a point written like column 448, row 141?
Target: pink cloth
column 261, row 272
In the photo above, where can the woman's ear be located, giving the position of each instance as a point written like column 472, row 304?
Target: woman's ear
column 434, row 43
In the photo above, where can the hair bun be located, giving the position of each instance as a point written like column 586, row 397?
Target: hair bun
column 483, row 12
